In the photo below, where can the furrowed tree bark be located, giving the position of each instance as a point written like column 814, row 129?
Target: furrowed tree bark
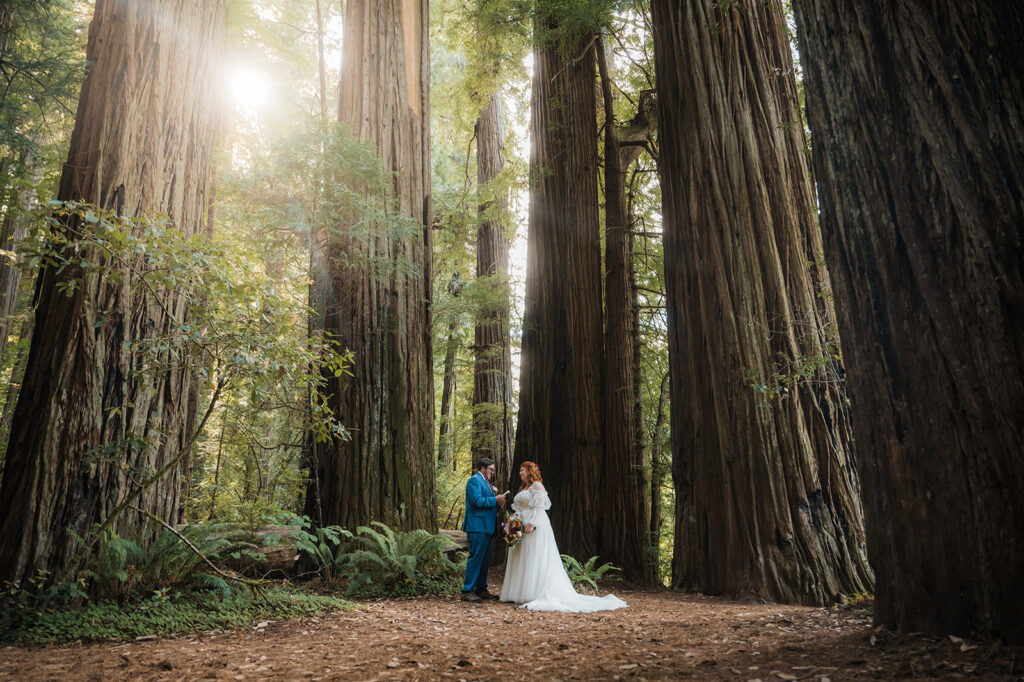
column 767, row 497
column 86, row 426
column 492, row 362
column 917, row 113
column 559, row 425
column 624, row 508
column 386, row 471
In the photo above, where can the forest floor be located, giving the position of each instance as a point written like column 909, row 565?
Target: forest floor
column 662, row 635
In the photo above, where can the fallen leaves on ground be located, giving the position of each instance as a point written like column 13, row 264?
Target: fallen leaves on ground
column 662, row 635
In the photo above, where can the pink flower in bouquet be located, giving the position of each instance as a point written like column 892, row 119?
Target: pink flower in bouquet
column 512, row 529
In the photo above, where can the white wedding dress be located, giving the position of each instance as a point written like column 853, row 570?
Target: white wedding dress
column 534, row 575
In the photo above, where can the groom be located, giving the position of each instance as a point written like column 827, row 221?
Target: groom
column 481, row 519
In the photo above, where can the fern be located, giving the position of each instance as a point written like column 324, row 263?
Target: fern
column 121, row 569
column 588, row 573
column 387, row 562
column 213, row 583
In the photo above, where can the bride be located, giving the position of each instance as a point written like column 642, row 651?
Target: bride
column 534, row 575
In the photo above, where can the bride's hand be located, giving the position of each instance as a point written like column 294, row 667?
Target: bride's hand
column 529, row 528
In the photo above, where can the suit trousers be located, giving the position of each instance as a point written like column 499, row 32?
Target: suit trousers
column 478, row 563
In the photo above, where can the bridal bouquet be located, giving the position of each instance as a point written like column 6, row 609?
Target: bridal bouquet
column 512, row 529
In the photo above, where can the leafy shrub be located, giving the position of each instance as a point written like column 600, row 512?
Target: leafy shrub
column 376, row 560
column 320, row 546
column 856, row 600
column 588, row 573
column 120, row 569
column 159, row 615
column 402, row 564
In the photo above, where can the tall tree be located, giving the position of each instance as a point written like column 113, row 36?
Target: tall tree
column 86, row 424
column 917, row 112
column 379, row 306
column 624, row 488
column 767, row 499
column 444, row 437
column 492, row 364
column 13, row 229
column 559, row 424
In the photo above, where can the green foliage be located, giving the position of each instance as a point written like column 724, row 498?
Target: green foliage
column 108, row 570
column 238, row 317
column 375, row 561
column 245, row 332
column 40, row 593
column 120, row 569
column 569, row 23
column 588, row 573
column 161, row 614
column 382, row 562
column 42, row 64
column 320, row 546
column 857, row 599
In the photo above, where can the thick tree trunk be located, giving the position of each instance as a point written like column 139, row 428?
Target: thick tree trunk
column 380, row 282
column 624, row 510
column 767, row 498
column 492, row 366
column 917, row 111
column 560, row 379
column 86, row 426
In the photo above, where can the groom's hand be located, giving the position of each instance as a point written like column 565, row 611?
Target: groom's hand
column 501, row 500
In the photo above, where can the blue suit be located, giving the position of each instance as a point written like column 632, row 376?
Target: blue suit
column 481, row 519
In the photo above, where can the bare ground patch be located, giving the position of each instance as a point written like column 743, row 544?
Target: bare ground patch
column 661, row 635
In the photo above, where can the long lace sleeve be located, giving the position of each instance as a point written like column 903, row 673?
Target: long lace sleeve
column 536, row 514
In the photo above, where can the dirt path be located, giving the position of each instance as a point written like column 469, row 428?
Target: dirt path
column 660, row 636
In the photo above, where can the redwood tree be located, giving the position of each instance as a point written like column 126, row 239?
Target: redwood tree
column 379, row 271
column 917, row 112
column 492, row 367
column 86, row 424
column 624, row 488
column 559, row 424
column 767, row 499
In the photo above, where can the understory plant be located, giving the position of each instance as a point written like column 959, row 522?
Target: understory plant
column 588, row 573
column 161, row 615
column 377, row 561
column 384, row 562
column 182, row 560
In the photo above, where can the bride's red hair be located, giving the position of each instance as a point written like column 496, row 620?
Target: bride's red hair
column 532, row 475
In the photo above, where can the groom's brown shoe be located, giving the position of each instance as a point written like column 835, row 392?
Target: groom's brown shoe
column 486, row 595
column 470, row 597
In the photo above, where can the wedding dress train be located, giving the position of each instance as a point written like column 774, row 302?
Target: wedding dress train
column 534, row 575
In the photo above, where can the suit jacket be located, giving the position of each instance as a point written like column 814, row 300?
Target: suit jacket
column 481, row 506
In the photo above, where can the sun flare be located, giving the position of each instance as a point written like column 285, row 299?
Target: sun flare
column 248, row 90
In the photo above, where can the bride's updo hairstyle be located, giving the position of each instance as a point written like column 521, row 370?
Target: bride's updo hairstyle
column 532, row 475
